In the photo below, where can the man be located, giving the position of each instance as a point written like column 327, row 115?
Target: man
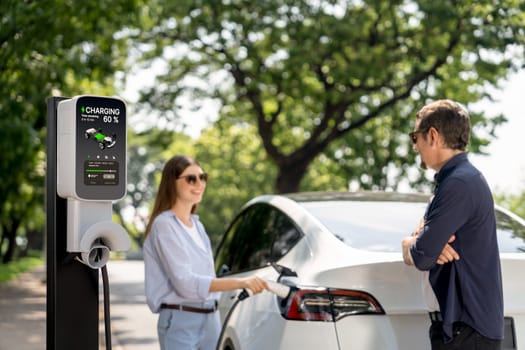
column 456, row 242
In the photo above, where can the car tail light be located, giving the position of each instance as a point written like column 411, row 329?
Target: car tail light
column 321, row 304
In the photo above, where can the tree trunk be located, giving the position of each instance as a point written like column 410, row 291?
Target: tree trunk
column 10, row 234
column 35, row 240
column 290, row 175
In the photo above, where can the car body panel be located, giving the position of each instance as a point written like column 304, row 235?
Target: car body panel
column 382, row 332
column 268, row 329
column 320, row 258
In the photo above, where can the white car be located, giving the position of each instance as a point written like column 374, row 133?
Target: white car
column 340, row 254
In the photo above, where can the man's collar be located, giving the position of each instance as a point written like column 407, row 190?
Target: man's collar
column 449, row 165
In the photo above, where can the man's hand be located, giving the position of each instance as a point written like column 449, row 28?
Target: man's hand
column 405, row 245
column 409, row 241
column 448, row 254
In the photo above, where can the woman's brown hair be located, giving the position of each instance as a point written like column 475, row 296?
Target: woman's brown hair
column 167, row 192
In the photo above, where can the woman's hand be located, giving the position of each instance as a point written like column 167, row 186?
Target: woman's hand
column 254, row 284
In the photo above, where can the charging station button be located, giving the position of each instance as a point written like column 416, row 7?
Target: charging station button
column 101, row 173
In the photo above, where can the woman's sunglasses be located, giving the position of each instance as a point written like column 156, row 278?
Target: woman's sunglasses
column 192, row 178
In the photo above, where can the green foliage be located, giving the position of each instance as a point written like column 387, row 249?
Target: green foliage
column 314, row 95
column 513, row 202
column 336, row 81
column 48, row 48
column 238, row 169
column 10, row 270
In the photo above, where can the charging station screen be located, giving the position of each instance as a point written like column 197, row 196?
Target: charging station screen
column 101, row 148
column 101, row 173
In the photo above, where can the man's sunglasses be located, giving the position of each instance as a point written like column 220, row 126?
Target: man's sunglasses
column 413, row 134
column 192, row 178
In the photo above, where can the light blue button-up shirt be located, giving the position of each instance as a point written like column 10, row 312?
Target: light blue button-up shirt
column 177, row 270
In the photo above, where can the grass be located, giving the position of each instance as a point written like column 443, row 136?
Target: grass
column 12, row 269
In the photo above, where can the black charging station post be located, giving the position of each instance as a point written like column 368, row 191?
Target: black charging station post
column 72, row 310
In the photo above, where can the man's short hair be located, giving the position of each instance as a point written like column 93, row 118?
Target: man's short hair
column 450, row 119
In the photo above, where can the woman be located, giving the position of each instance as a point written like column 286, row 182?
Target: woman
column 181, row 284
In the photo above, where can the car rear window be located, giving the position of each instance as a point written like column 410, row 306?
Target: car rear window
column 380, row 226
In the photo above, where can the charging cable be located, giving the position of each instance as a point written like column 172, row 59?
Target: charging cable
column 107, row 317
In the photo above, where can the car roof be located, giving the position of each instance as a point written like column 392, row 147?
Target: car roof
column 383, row 196
column 377, row 196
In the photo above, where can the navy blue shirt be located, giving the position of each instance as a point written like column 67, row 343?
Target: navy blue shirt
column 469, row 289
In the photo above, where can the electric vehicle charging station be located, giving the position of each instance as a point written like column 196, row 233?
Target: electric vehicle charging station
column 91, row 173
column 86, row 172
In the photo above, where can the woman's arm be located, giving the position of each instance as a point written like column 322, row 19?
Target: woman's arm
column 254, row 283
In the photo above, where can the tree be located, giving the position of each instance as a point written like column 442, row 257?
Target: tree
column 338, row 79
column 48, row 48
column 513, row 202
column 238, row 170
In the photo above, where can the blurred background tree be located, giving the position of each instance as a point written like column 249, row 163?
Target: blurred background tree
column 340, row 79
column 306, row 95
column 47, row 48
column 327, row 90
column 513, row 202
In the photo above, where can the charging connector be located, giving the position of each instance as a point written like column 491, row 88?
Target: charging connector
column 279, row 289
